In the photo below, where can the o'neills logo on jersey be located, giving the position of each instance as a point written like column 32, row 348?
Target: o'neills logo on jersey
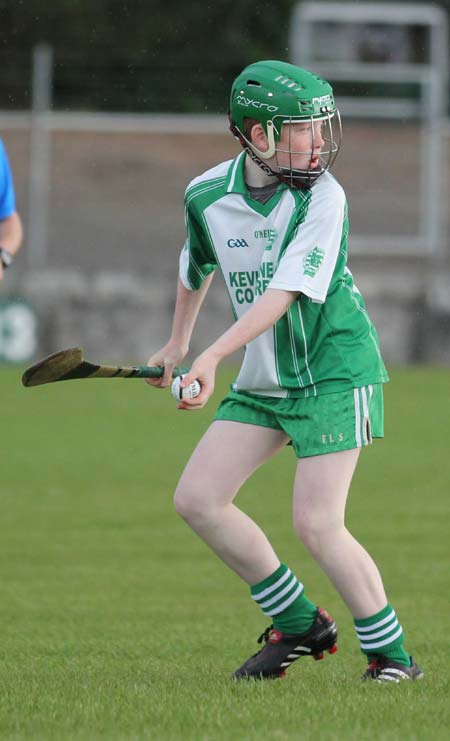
column 250, row 103
column 269, row 234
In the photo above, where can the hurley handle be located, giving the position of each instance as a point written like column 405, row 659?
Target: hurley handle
column 155, row 371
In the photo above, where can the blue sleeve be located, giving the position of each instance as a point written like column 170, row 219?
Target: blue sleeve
column 7, row 197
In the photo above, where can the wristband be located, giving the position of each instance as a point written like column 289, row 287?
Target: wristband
column 5, row 257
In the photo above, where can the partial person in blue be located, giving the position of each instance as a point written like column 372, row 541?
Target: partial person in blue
column 11, row 232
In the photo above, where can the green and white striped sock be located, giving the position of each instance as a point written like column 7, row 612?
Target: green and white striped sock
column 382, row 634
column 282, row 597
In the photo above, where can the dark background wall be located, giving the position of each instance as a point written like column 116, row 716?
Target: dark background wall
column 140, row 55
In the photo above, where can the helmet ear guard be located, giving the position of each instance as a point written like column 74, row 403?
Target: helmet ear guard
column 247, row 144
column 253, row 152
column 270, row 134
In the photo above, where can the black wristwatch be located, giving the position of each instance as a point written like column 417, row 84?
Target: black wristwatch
column 5, row 257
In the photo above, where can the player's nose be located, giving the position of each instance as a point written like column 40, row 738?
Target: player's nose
column 319, row 141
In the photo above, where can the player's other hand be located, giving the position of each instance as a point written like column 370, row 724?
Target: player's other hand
column 168, row 357
column 204, row 371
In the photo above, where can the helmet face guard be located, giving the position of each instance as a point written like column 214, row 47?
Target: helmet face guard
column 276, row 94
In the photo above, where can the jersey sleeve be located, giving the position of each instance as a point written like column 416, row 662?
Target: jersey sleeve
column 7, row 198
column 308, row 263
column 197, row 259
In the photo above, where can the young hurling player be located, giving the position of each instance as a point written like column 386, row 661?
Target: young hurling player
column 274, row 221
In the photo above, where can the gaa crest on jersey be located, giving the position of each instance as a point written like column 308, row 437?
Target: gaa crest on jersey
column 237, row 243
column 312, row 261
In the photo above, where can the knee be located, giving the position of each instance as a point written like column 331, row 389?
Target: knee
column 315, row 531
column 187, row 503
column 308, row 531
column 194, row 502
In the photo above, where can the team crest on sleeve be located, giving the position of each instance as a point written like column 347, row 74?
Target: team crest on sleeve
column 312, row 261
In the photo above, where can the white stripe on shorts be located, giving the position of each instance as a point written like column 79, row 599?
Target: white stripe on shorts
column 357, row 418
column 366, row 415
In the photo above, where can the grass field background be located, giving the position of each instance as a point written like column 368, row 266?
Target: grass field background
column 116, row 622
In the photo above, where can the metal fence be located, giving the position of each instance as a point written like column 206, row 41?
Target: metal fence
column 104, row 190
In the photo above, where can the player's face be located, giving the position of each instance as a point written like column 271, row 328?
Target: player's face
column 300, row 145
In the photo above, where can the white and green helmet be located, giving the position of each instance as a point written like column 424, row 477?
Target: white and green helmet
column 276, row 93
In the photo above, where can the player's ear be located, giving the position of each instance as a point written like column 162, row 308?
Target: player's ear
column 258, row 137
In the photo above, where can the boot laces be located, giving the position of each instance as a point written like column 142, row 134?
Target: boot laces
column 265, row 636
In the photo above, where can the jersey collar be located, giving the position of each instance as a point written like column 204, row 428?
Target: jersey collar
column 235, row 182
column 235, row 178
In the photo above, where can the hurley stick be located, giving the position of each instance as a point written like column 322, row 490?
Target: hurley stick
column 68, row 365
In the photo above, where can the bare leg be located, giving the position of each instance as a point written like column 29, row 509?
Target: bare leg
column 320, row 493
column 225, row 457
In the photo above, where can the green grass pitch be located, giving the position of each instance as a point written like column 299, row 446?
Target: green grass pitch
column 116, row 622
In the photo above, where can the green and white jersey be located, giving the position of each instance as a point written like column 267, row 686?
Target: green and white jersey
column 297, row 241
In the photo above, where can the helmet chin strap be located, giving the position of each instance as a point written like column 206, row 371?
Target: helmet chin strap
column 303, row 179
column 293, row 178
column 261, row 164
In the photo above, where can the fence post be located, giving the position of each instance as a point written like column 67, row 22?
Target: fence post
column 40, row 156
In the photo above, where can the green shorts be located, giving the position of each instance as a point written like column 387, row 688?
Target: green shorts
column 317, row 424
